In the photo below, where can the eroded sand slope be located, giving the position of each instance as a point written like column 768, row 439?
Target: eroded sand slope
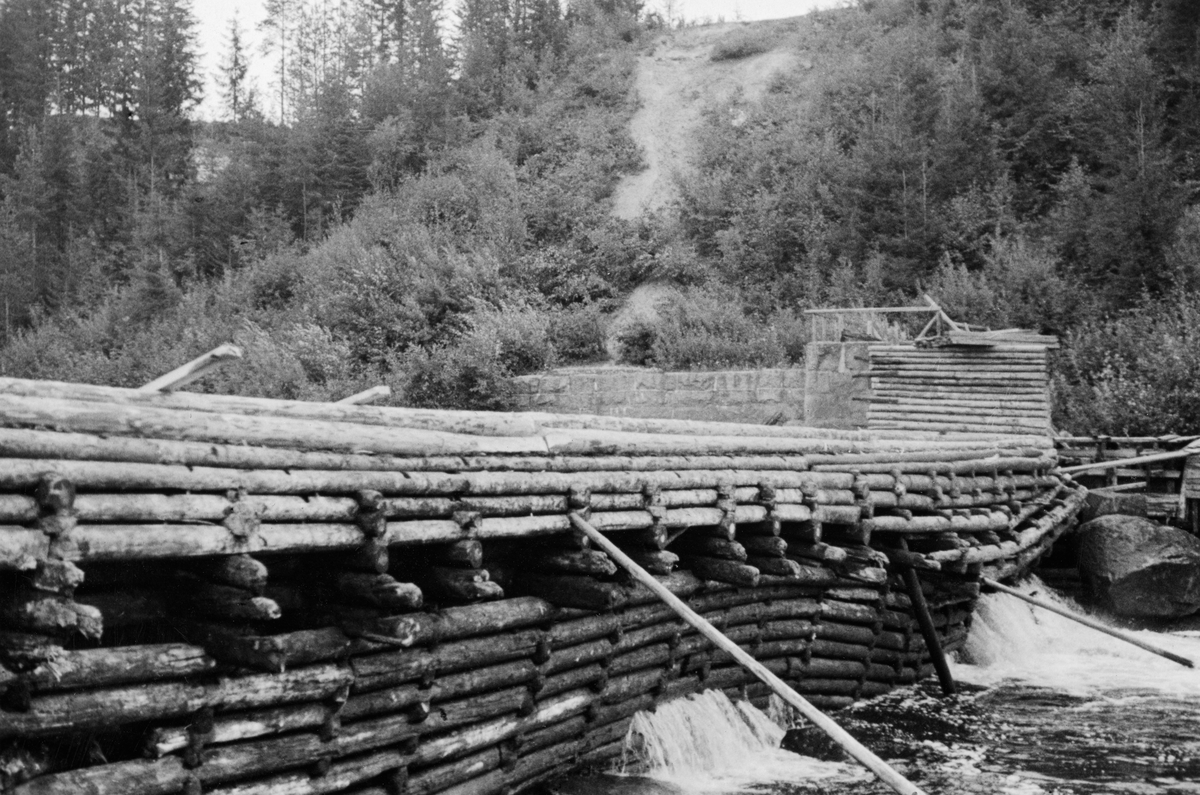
column 675, row 83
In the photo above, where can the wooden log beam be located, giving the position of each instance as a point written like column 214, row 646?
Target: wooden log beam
column 199, row 598
column 68, row 711
column 25, row 443
column 49, row 614
column 105, row 667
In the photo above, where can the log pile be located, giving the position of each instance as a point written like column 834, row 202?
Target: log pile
column 1000, row 388
column 216, row 594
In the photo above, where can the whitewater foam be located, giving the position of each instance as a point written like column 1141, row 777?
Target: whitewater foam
column 1012, row 641
column 706, row 743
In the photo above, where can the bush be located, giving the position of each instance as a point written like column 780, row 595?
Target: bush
column 742, row 44
column 636, row 343
column 709, row 329
column 520, row 336
column 579, row 334
column 474, row 371
column 1137, row 374
column 1018, row 286
column 468, row 375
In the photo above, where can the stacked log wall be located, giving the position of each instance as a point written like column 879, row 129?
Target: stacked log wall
column 303, row 599
column 1003, row 388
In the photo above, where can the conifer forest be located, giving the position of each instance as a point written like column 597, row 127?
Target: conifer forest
column 421, row 193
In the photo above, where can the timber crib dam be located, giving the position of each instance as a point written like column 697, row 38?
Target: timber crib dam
column 216, row 594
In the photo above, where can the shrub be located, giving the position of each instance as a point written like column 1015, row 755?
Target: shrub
column 520, row 336
column 742, row 43
column 467, row 375
column 637, row 341
column 1137, row 374
column 579, row 334
column 474, row 371
column 707, row 329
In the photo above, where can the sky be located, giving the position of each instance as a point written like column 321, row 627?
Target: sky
column 214, row 16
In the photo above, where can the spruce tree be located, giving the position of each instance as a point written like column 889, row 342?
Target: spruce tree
column 234, row 66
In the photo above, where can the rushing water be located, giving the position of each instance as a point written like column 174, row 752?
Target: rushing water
column 1048, row 707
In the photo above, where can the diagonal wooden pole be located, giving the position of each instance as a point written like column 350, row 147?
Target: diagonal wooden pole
column 882, row 770
column 194, row 369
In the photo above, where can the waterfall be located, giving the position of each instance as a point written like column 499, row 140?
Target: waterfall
column 705, row 742
column 1012, row 641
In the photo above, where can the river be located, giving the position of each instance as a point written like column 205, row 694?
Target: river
column 1048, row 707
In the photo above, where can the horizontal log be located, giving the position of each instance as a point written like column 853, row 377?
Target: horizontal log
column 467, row 553
column 819, row 551
column 196, row 597
column 138, row 508
column 23, row 650
column 770, row 546
column 50, row 614
column 709, row 568
column 82, row 416
column 690, row 544
column 584, row 561
column 240, row 571
column 18, row 509
column 68, row 711
column 24, row 443
column 576, row 591
column 655, row 561
column 91, row 668
column 463, row 589
column 951, row 427
column 21, row 549
column 127, row 607
column 777, row 566
column 454, row 623
column 919, row 401
column 381, row 590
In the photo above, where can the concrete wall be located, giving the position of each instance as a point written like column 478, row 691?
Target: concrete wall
column 833, row 396
column 754, row 396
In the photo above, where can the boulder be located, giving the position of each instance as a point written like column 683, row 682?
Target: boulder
column 1139, row 568
column 1103, row 502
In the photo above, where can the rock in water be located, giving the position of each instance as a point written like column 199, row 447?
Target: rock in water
column 1139, row 568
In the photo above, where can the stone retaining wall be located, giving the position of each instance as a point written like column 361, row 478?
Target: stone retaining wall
column 755, row 396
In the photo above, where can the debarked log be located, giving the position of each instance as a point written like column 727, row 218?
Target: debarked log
column 107, row 476
column 655, row 561
column 584, row 561
column 50, row 614
column 68, row 711
column 196, row 597
column 92, row 668
column 381, row 590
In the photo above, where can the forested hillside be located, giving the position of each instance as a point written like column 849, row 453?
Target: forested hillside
column 432, row 210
